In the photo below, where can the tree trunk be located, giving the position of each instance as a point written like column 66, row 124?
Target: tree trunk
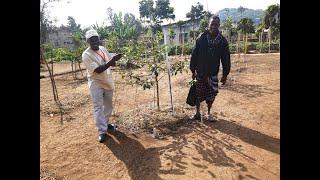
column 238, row 43
column 182, row 49
column 73, row 69
column 80, row 68
column 54, row 87
column 169, row 78
column 170, row 90
column 157, row 85
column 246, row 43
column 72, row 66
column 154, row 96
column 52, row 67
column 156, row 76
column 176, row 50
column 52, row 80
column 246, row 49
column 269, row 36
column 261, row 41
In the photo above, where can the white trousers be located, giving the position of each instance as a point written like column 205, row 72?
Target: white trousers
column 102, row 107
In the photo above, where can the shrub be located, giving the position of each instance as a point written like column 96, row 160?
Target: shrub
column 263, row 48
column 187, row 49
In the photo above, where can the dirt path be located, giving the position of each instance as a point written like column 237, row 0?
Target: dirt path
column 243, row 144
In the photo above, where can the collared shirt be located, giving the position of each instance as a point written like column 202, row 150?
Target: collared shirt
column 92, row 60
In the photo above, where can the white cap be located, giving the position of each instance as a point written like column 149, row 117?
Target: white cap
column 91, row 33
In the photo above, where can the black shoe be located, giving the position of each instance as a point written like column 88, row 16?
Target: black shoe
column 102, row 138
column 197, row 117
column 111, row 128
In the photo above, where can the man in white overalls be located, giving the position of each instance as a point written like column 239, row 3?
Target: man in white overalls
column 98, row 62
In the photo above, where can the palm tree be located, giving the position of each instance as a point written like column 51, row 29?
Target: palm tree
column 272, row 20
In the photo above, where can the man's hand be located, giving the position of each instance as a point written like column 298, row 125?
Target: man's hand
column 116, row 57
column 223, row 80
column 112, row 62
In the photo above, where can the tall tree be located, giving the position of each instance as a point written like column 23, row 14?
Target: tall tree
column 45, row 22
column 272, row 19
column 110, row 15
column 205, row 21
column 163, row 10
column 154, row 15
column 73, row 26
column 227, row 25
column 131, row 21
column 146, row 9
column 126, row 27
column 101, row 30
column 241, row 10
column 195, row 13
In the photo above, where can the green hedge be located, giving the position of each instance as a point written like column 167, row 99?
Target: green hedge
column 252, row 46
column 233, row 48
column 263, row 48
column 187, row 49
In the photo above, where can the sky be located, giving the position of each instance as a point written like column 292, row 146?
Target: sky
column 89, row 12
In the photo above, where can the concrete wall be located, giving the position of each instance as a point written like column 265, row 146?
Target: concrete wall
column 185, row 29
column 61, row 38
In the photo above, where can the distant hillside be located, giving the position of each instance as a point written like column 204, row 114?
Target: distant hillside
column 255, row 15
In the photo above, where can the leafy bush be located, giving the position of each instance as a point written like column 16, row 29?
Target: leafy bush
column 252, row 46
column 233, row 48
column 187, row 49
column 263, row 48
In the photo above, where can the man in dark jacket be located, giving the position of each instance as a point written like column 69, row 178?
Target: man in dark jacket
column 210, row 48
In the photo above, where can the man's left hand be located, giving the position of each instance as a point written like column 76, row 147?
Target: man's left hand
column 223, row 80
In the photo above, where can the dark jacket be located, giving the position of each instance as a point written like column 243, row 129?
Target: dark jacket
column 206, row 62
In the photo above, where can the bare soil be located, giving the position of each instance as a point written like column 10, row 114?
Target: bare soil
column 244, row 143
